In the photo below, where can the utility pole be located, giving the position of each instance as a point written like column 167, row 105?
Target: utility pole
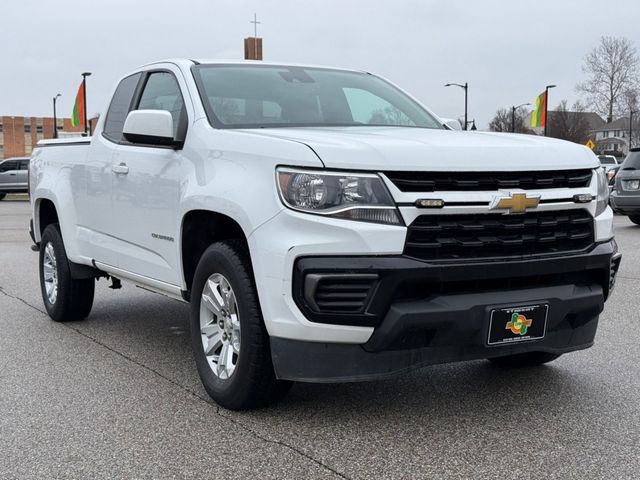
column 55, row 119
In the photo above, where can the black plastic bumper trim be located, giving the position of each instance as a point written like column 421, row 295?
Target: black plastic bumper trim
column 396, row 272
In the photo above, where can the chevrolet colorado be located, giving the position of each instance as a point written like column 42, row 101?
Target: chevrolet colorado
column 324, row 226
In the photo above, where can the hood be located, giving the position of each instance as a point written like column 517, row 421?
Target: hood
column 421, row 149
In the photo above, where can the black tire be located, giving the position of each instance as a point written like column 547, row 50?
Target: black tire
column 74, row 297
column 253, row 383
column 529, row 359
column 2, row 195
column 635, row 219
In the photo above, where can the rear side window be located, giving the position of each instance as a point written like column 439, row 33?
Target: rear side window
column 632, row 162
column 119, row 107
column 162, row 92
column 8, row 166
column 24, row 164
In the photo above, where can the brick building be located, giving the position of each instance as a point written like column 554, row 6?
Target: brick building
column 18, row 135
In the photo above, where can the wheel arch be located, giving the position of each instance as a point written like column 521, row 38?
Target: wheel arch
column 199, row 229
column 45, row 213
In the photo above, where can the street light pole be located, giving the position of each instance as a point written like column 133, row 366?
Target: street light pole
column 465, row 87
column 84, row 93
column 55, row 119
column 631, row 112
column 546, row 106
column 513, row 116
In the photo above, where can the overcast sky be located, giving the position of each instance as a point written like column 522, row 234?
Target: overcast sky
column 507, row 50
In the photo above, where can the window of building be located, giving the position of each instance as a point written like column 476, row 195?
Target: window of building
column 27, row 128
column 1, row 127
column 39, row 129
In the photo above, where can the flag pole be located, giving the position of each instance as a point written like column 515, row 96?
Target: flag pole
column 546, row 106
column 84, row 101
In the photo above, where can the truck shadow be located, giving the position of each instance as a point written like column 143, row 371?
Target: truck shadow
column 154, row 331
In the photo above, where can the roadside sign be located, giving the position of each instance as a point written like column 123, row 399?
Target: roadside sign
column 590, row 144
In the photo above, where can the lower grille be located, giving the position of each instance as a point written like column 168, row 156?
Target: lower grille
column 436, row 237
column 339, row 293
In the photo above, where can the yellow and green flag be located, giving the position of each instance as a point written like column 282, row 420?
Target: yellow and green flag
column 77, row 117
column 539, row 115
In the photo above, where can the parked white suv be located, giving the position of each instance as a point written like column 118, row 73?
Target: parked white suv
column 324, row 225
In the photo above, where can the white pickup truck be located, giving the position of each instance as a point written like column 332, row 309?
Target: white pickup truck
column 324, row 226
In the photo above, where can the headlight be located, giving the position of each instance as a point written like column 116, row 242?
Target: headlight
column 354, row 196
column 631, row 184
column 602, row 200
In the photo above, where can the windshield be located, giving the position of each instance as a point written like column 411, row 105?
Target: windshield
column 258, row 96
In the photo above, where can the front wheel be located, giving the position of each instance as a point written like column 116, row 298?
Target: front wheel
column 529, row 359
column 2, row 195
column 65, row 298
column 635, row 219
column 228, row 337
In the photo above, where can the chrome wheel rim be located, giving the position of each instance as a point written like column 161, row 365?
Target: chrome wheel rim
column 220, row 326
column 50, row 273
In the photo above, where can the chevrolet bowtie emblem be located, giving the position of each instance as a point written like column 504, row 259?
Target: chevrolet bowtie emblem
column 516, row 203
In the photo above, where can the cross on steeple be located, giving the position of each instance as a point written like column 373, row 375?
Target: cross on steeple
column 255, row 25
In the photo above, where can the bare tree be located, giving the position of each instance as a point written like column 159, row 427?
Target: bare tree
column 612, row 70
column 501, row 122
column 390, row 116
column 569, row 124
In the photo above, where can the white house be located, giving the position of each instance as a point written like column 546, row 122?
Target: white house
column 613, row 138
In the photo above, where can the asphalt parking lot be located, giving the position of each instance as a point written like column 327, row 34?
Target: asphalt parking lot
column 118, row 396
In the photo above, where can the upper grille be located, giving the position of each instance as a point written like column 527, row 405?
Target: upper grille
column 478, row 181
column 434, row 237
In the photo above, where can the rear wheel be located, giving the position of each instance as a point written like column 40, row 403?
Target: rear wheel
column 229, row 341
column 635, row 219
column 65, row 298
column 529, row 359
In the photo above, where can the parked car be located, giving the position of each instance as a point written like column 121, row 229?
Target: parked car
column 14, row 176
column 611, row 175
column 625, row 198
column 608, row 162
column 324, row 226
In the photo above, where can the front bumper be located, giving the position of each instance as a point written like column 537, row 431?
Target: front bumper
column 424, row 313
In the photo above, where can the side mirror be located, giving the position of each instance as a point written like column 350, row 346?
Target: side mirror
column 452, row 124
column 150, row 127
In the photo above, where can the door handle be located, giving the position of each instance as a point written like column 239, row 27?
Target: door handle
column 120, row 169
column 12, row 174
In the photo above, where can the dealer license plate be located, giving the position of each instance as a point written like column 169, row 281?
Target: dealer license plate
column 517, row 324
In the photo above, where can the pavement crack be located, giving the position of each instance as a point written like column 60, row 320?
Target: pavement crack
column 3, row 291
column 209, row 402
column 196, row 395
column 626, row 277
